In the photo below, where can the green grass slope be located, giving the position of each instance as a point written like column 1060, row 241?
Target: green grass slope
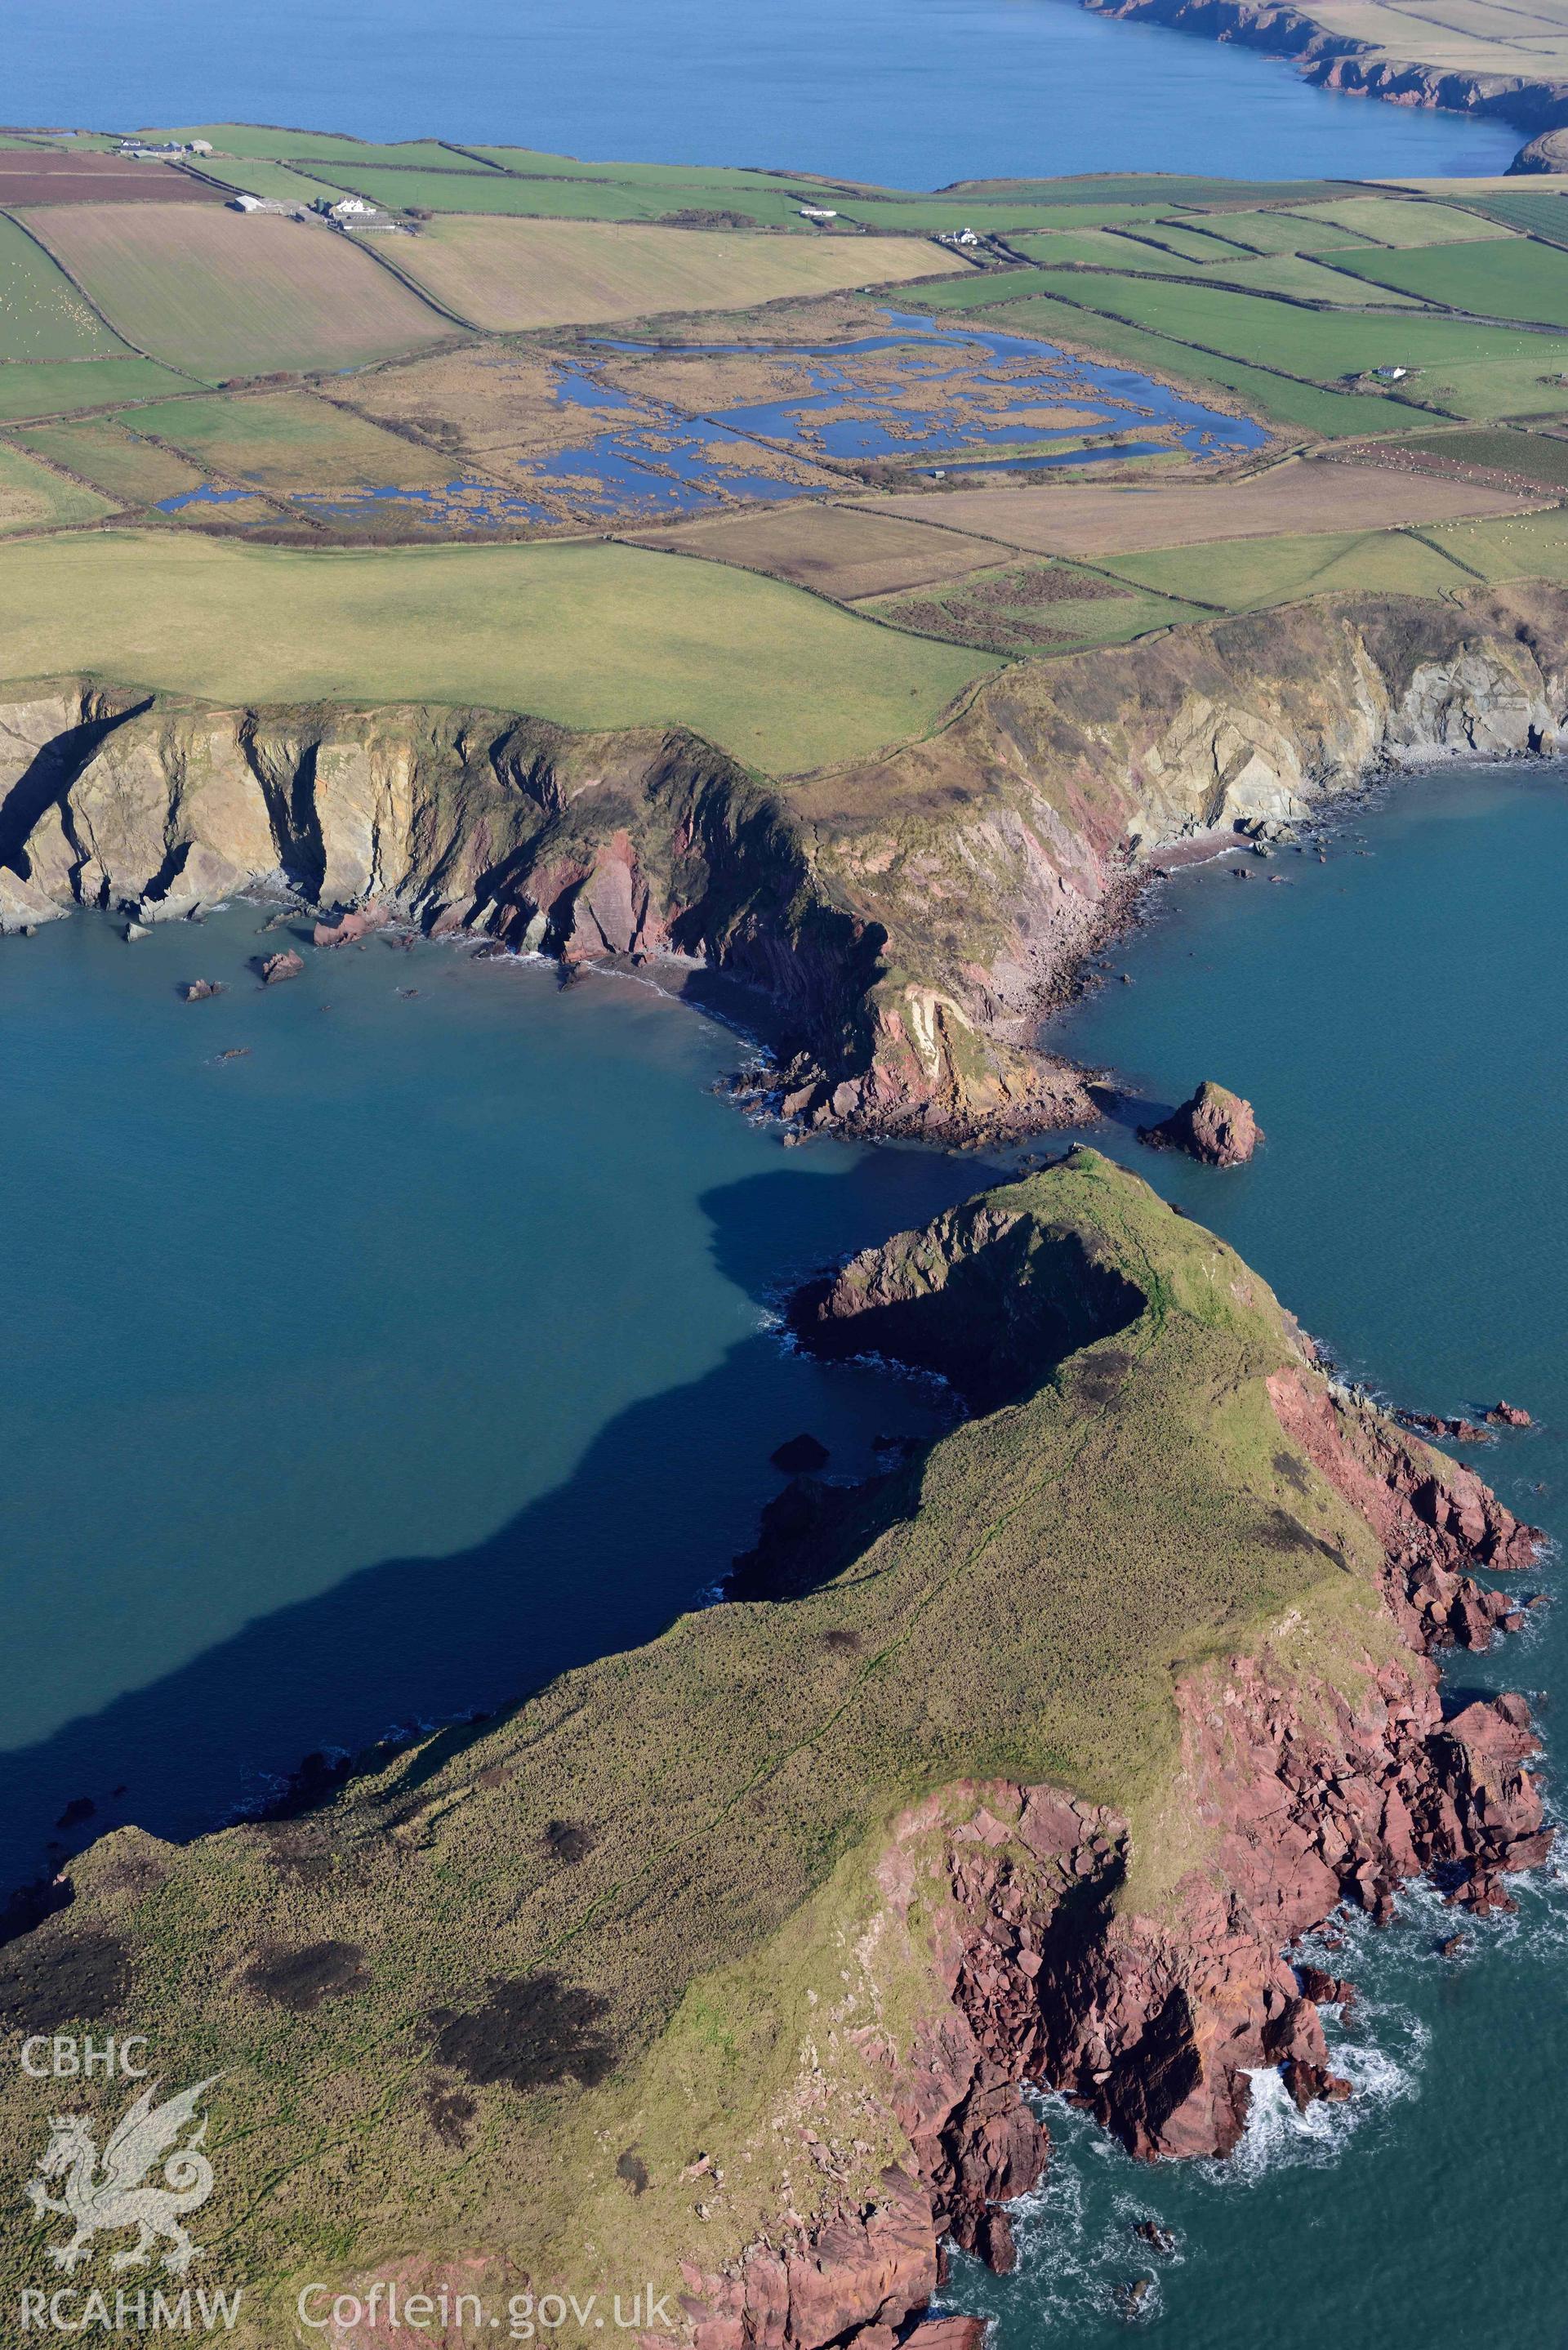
column 592, row 635
column 504, row 1994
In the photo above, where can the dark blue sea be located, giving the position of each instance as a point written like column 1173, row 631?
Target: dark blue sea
column 910, row 93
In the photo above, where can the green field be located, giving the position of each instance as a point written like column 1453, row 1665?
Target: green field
column 1535, row 456
column 1404, row 221
column 594, row 635
column 44, row 318
column 63, row 390
column 1286, row 232
column 1245, row 575
column 1466, row 369
column 32, row 497
column 289, row 441
column 130, row 472
column 252, row 139
column 1291, row 275
column 1197, row 243
column 260, row 178
column 479, row 190
column 1541, row 209
column 1523, row 547
column 1275, row 397
column 222, row 294
column 1515, row 278
column 996, row 607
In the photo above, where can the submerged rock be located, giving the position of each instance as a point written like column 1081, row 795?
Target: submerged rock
column 1215, row 1127
column 800, row 1455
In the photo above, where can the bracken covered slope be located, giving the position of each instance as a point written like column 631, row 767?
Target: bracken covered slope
column 909, row 915
column 721, row 1963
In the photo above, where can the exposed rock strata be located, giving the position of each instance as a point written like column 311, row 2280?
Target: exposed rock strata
column 907, row 917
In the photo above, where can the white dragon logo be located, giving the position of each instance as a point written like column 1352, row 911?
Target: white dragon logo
column 116, row 2196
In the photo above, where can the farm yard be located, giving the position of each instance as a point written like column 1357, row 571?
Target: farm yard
column 217, row 294
column 510, row 276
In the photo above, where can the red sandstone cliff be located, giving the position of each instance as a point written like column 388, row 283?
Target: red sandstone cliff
column 1155, row 2021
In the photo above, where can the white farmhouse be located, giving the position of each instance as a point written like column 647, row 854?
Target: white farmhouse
column 816, row 212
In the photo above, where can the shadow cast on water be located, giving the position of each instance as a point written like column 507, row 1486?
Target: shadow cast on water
column 652, row 1516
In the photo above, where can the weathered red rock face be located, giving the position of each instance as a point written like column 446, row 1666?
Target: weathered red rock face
column 1155, row 2024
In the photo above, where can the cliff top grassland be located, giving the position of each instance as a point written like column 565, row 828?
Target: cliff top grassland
column 592, row 635
column 509, row 1989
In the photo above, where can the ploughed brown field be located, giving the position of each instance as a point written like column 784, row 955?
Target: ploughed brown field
column 839, row 551
column 30, row 175
column 1091, row 519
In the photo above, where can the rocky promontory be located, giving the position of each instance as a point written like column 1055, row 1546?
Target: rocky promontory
column 725, row 1963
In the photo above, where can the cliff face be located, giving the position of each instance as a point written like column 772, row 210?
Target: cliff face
column 1337, row 60
column 909, row 917
column 1296, row 1797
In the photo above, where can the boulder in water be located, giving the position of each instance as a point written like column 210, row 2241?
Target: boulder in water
column 1215, row 1127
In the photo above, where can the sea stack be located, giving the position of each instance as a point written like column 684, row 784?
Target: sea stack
column 1215, row 1127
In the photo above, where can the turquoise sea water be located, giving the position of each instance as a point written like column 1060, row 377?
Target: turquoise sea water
column 384, row 1370
column 424, row 1348
column 912, row 93
column 1396, row 1017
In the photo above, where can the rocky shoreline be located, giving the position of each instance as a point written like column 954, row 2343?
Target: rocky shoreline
column 909, row 919
column 1332, row 60
column 1309, row 1803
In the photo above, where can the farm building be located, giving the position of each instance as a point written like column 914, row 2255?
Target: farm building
column 816, row 212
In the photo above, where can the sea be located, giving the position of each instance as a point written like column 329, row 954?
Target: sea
column 908, row 93
column 381, row 1342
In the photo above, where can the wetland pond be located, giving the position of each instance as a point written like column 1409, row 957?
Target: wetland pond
column 925, row 389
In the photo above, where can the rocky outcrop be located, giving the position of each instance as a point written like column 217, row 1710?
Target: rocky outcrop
column 905, row 920
column 1216, row 1127
column 1548, row 153
column 1335, row 59
column 1304, row 1794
